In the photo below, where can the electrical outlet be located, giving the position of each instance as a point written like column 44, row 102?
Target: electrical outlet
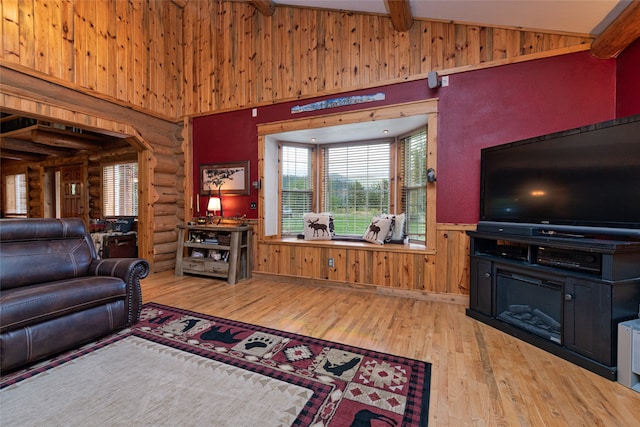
column 253, row 205
column 330, row 262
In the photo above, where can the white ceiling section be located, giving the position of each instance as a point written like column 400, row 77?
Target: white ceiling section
column 573, row 16
column 355, row 132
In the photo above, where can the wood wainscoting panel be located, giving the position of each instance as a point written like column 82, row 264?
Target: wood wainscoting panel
column 393, row 268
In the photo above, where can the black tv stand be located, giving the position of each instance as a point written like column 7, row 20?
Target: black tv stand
column 563, row 235
column 564, row 294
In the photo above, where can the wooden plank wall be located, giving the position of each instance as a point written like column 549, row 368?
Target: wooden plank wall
column 213, row 54
column 131, row 51
column 390, row 268
column 236, row 57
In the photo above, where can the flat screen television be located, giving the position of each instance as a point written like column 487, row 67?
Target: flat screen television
column 584, row 181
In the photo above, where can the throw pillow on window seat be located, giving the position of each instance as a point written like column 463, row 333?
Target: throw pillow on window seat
column 396, row 233
column 377, row 231
column 318, row 226
column 332, row 229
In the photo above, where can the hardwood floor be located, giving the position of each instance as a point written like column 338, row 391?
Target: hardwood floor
column 480, row 376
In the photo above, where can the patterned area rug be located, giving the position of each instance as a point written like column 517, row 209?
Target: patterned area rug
column 180, row 367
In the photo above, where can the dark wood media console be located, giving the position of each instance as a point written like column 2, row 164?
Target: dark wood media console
column 564, row 294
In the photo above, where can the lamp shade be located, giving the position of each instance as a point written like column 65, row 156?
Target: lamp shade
column 214, row 204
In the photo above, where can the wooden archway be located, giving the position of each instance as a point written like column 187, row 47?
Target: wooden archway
column 158, row 142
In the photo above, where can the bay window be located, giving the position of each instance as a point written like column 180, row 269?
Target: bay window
column 414, row 174
column 354, row 182
column 297, row 185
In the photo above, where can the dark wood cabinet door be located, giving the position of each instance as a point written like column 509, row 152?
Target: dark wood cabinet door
column 587, row 319
column 480, row 292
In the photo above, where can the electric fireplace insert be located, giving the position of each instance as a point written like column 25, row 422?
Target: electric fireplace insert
column 529, row 303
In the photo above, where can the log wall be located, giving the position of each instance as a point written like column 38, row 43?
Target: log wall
column 156, row 141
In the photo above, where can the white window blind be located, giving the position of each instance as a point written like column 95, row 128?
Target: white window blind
column 414, row 193
column 16, row 194
column 120, row 189
column 297, row 186
column 356, row 184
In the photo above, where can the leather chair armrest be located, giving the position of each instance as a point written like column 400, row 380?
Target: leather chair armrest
column 131, row 271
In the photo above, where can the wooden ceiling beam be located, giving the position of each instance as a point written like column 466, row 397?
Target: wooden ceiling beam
column 400, row 14
column 21, row 155
column 623, row 31
column 59, row 140
column 17, row 145
column 266, row 7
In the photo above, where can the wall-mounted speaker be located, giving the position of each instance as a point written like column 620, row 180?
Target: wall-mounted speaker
column 431, row 175
column 432, row 80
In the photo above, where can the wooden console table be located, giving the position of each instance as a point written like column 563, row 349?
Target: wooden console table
column 215, row 250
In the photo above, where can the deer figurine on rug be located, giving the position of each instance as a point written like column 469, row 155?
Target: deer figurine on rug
column 315, row 227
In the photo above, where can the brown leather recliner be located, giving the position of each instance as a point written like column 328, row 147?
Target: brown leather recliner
column 55, row 294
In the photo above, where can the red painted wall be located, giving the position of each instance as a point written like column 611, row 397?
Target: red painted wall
column 220, row 138
column 628, row 81
column 479, row 109
column 504, row 104
column 233, row 136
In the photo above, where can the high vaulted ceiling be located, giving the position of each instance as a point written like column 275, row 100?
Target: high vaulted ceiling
column 574, row 16
column 615, row 24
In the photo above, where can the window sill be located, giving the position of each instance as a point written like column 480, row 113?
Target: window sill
column 345, row 244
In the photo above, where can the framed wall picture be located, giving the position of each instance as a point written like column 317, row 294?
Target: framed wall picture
column 230, row 178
